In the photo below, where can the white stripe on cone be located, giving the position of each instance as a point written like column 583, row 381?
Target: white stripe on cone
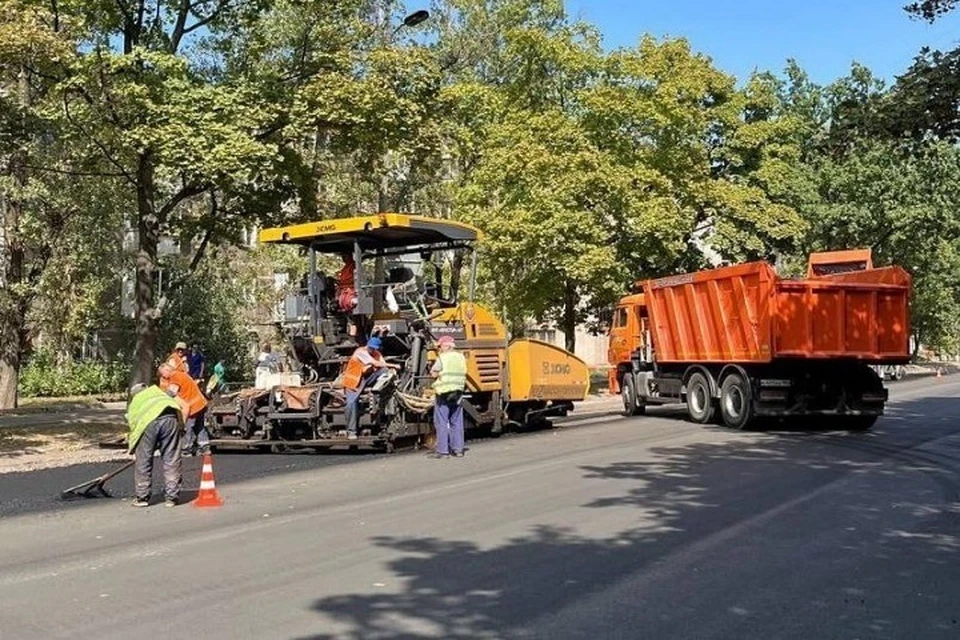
column 208, row 468
column 206, row 484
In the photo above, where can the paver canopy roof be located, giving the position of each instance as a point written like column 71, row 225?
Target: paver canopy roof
column 381, row 231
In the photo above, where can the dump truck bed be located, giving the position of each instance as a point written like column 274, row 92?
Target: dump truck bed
column 748, row 314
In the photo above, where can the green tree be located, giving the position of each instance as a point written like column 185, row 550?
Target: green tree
column 139, row 92
column 903, row 206
column 43, row 184
column 930, row 10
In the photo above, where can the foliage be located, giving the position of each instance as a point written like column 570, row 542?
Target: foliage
column 930, row 10
column 924, row 102
column 45, row 376
column 903, row 206
column 208, row 308
column 586, row 168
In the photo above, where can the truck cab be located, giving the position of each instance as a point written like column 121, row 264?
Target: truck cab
column 629, row 339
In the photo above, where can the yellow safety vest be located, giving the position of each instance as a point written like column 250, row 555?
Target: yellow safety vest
column 143, row 409
column 453, row 373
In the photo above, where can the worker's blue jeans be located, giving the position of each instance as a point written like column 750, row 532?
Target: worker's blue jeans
column 163, row 434
column 448, row 421
column 351, row 411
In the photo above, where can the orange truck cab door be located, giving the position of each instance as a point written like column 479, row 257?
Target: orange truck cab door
column 626, row 336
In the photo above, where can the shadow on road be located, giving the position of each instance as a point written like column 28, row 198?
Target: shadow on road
column 772, row 534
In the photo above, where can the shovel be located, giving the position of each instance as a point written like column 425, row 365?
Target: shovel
column 88, row 489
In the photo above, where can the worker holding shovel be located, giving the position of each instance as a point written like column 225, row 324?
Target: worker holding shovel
column 155, row 421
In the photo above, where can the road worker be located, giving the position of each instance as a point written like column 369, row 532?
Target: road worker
column 450, row 373
column 268, row 361
column 196, row 363
column 154, row 420
column 364, row 366
column 180, row 385
column 346, row 287
column 178, row 358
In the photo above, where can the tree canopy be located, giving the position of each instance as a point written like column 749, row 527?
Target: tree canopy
column 142, row 143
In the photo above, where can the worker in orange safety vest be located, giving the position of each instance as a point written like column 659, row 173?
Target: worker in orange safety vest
column 180, row 385
column 178, row 358
column 364, row 366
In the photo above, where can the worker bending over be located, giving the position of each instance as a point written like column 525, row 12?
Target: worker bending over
column 154, row 420
column 181, row 385
column 364, row 366
column 450, row 371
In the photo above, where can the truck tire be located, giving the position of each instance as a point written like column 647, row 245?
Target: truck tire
column 632, row 406
column 699, row 402
column 860, row 423
column 736, row 401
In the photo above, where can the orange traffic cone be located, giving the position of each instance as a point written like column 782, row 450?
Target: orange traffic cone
column 208, row 496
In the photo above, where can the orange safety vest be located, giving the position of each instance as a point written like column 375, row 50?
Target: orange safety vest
column 353, row 373
column 178, row 362
column 188, row 391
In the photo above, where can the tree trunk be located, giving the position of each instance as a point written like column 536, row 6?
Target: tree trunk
column 569, row 320
column 12, row 338
column 12, row 318
column 148, row 239
column 12, row 308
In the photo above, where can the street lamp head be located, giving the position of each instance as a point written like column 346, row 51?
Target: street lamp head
column 416, row 18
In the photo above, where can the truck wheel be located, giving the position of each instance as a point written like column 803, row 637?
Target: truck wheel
column 899, row 372
column 699, row 403
column 631, row 403
column 860, row 423
column 736, row 401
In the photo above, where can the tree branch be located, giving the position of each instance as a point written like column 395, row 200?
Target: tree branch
column 186, row 191
column 181, row 28
column 55, row 10
column 71, row 172
column 214, row 209
column 103, row 149
column 141, row 11
column 114, row 116
column 178, row 28
column 207, row 236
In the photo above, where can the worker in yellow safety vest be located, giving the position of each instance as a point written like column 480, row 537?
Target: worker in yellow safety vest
column 154, row 420
column 450, row 373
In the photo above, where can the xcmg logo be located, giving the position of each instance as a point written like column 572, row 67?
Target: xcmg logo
column 553, row 368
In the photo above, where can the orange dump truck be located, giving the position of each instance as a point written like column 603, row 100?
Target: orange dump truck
column 740, row 343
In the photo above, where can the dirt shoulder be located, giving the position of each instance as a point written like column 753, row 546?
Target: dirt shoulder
column 41, row 440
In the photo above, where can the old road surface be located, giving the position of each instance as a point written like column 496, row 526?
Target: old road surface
column 607, row 528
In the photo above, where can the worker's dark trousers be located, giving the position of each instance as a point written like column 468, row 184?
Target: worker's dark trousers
column 196, row 431
column 163, row 434
column 448, row 421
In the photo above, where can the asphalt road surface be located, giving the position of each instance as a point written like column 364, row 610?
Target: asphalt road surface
column 606, row 528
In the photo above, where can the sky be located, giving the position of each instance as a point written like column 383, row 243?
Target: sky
column 746, row 35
